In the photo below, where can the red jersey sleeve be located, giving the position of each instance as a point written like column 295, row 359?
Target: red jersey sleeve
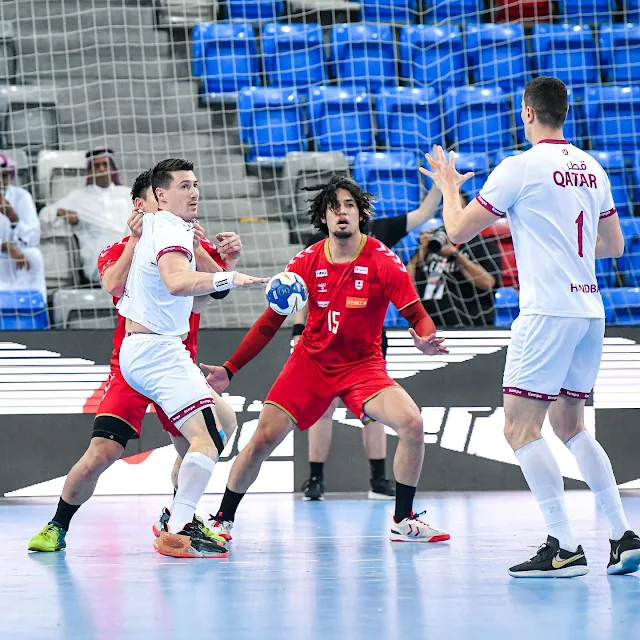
column 396, row 281
column 300, row 264
column 110, row 255
column 210, row 248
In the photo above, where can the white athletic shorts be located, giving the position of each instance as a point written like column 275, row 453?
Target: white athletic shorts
column 160, row 368
column 550, row 355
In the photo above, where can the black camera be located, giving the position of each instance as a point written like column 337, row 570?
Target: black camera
column 437, row 240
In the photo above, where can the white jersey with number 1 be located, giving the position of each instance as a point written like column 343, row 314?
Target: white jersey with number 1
column 553, row 196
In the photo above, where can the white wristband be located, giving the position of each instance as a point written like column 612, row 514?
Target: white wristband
column 223, row 280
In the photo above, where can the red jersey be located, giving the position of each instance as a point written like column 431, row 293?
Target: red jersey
column 348, row 301
column 111, row 255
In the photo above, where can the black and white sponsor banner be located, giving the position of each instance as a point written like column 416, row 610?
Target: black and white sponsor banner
column 50, row 384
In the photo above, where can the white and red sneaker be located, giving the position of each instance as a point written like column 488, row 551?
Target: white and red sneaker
column 412, row 529
column 221, row 527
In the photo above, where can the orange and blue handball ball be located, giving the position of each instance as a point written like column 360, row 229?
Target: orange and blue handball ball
column 287, row 293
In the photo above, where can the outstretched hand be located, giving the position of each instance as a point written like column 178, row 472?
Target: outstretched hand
column 444, row 173
column 218, row 377
column 429, row 345
column 245, row 281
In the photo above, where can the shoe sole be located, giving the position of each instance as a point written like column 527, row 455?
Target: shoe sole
column 187, row 554
column 307, row 499
column 629, row 563
column 440, row 537
column 372, row 495
column 40, row 550
column 226, row 537
column 566, row 572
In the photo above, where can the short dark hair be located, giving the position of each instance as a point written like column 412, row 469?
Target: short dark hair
column 162, row 173
column 547, row 96
column 328, row 198
column 140, row 185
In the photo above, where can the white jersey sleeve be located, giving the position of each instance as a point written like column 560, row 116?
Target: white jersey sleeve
column 503, row 187
column 608, row 207
column 172, row 234
column 553, row 196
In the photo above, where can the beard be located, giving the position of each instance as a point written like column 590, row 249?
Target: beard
column 342, row 235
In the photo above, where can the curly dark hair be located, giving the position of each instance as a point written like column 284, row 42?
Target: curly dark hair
column 141, row 184
column 328, row 198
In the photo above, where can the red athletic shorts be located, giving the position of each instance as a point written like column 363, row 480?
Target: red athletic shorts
column 123, row 402
column 304, row 390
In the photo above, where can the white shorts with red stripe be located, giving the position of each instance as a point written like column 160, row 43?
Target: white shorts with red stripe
column 550, row 355
column 161, row 368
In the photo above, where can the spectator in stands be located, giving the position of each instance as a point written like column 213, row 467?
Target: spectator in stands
column 21, row 262
column 97, row 213
column 456, row 284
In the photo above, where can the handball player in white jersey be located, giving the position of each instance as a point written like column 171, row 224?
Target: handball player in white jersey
column 157, row 303
column 558, row 202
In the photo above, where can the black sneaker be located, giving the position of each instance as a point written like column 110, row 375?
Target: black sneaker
column 381, row 489
column 313, row 489
column 625, row 555
column 552, row 562
column 191, row 542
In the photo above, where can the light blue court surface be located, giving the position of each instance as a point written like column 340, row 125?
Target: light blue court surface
column 312, row 571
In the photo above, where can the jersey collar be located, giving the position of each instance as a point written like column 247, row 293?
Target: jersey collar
column 327, row 253
column 552, row 141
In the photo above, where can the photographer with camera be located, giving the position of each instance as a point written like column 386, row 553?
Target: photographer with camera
column 456, row 284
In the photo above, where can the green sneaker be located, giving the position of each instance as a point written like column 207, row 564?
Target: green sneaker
column 198, row 522
column 51, row 538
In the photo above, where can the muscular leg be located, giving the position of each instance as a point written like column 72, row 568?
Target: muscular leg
column 395, row 408
column 83, row 477
column 523, row 423
column 320, row 435
column 195, row 471
column 273, row 426
column 374, row 440
column 567, row 419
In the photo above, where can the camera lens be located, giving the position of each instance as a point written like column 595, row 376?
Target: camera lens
column 437, row 241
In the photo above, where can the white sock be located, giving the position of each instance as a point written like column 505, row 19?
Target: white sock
column 542, row 473
column 195, row 471
column 595, row 467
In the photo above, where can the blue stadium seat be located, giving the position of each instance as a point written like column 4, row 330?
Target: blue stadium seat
column 605, row 273
column 613, row 163
column 622, row 305
column 507, row 306
column 573, row 126
column 409, row 118
column 341, row 120
column 567, row 51
column 271, row 123
column 629, row 262
column 636, row 177
column 363, row 55
column 496, row 54
column 453, row 10
column 293, row 54
column 478, row 119
column 479, row 164
column 254, row 9
column 613, row 114
column 586, row 10
column 23, row 311
column 392, row 177
column 225, row 56
column 620, row 53
column 397, row 11
column 433, row 56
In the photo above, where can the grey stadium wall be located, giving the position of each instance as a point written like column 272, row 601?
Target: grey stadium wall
column 47, row 404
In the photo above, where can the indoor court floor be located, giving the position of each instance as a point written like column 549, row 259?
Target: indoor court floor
column 312, row 571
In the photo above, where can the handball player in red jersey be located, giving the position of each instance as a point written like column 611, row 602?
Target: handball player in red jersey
column 351, row 279
column 122, row 409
